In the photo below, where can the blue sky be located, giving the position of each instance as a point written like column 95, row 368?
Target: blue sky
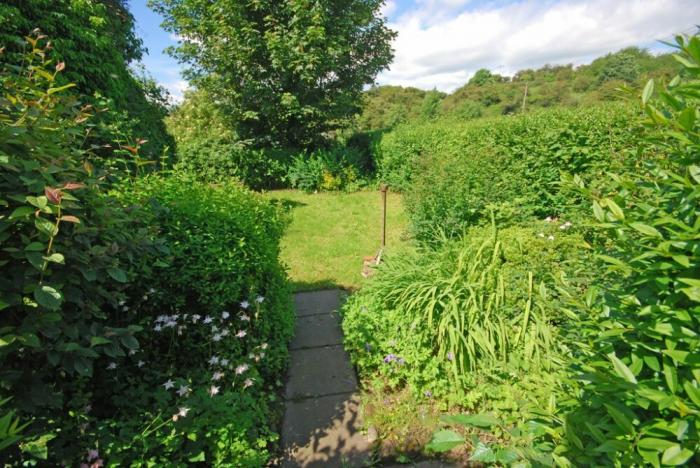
column 441, row 43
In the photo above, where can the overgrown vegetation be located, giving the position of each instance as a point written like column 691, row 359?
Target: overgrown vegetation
column 566, row 340
column 144, row 318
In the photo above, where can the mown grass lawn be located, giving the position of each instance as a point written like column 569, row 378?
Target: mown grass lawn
column 331, row 232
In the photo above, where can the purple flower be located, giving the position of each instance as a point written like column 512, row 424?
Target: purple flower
column 390, row 357
column 450, row 356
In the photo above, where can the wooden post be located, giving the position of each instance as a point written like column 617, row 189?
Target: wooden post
column 524, row 98
column 384, row 189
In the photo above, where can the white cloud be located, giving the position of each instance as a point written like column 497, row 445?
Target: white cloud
column 176, row 89
column 441, row 45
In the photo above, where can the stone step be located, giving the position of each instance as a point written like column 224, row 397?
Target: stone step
column 317, row 330
column 319, row 371
column 316, row 302
column 324, row 432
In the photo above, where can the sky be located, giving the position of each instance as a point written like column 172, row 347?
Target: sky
column 441, row 43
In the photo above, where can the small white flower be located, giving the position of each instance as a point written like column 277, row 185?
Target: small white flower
column 121, row 303
column 214, row 329
column 216, row 337
column 169, row 384
column 247, row 383
column 213, row 390
column 145, row 297
column 224, row 362
column 183, row 390
column 541, row 234
column 140, row 364
column 241, row 334
column 125, row 308
column 259, row 299
column 224, row 332
column 550, row 238
column 170, row 324
column 161, row 318
column 151, row 291
column 263, row 346
column 132, row 352
column 112, row 366
column 213, row 360
column 217, row 375
column 241, row 369
column 245, row 304
column 182, row 411
column 179, row 330
column 157, row 328
column 225, row 315
column 548, row 219
column 262, row 355
column 245, row 317
column 207, row 320
column 195, row 318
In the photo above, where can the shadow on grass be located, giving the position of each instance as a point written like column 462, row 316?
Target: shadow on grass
column 306, row 286
column 287, row 203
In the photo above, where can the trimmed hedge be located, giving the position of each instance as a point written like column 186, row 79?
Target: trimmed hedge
column 454, row 173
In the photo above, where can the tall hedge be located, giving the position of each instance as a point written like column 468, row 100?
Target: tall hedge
column 454, row 173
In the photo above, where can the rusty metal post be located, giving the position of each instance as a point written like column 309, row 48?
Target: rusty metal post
column 384, row 188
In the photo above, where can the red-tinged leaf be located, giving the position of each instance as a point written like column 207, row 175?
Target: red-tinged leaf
column 70, row 219
column 131, row 149
column 141, row 141
column 73, row 186
column 53, row 195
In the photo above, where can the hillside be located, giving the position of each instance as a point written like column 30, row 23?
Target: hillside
column 490, row 94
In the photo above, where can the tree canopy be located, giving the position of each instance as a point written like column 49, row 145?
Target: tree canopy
column 285, row 73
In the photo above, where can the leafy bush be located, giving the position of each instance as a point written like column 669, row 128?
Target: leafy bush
column 219, row 315
column 454, row 173
column 208, row 147
column 640, row 398
column 332, row 169
column 68, row 252
column 437, row 319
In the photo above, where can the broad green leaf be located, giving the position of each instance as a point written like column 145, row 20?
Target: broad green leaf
column 648, row 91
column 55, row 258
column 21, row 212
column 646, row 229
column 692, row 392
column 676, row 455
column 48, row 297
column 130, row 342
column 614, row 209
column 653, row 443
column 117, row 274
column 620, row 419
column 483, row 453
column 621, row 369
column 478, row 420
column 45, row 226
column 444, row 440
column 99, row 340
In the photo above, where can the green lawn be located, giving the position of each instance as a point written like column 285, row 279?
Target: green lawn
column 331, row 232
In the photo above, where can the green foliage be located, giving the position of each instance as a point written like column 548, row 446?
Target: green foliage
column 431, row 102
column 290, row 71
column 115, row 288
column 386, row 106
column 335, row 168
column 639, row 398
column 208, row 146
column 228, row 318
column 454, row 173
column 67, row 248
column 490, row 95
column 96, row 39
column 438, row 319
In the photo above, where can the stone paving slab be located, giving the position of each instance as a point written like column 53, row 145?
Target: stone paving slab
column 317, row 330
column 324, row 431
column 320, row 371
column 316, row 302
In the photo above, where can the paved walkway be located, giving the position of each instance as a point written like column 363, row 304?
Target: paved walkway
column 321, row 422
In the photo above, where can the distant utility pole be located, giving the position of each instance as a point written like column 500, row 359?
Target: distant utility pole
column 524, row 98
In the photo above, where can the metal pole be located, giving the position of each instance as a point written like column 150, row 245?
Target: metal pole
column 384, row 189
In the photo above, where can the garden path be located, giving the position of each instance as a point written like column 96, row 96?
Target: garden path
column 321, row 425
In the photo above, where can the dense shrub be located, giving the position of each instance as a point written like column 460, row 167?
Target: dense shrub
column 454, row 173
column 68, row 252
column 208, row 147
column 335, row 168
column 218, row 315
column 441, row 320
column 639, row 399
column 145, row 320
